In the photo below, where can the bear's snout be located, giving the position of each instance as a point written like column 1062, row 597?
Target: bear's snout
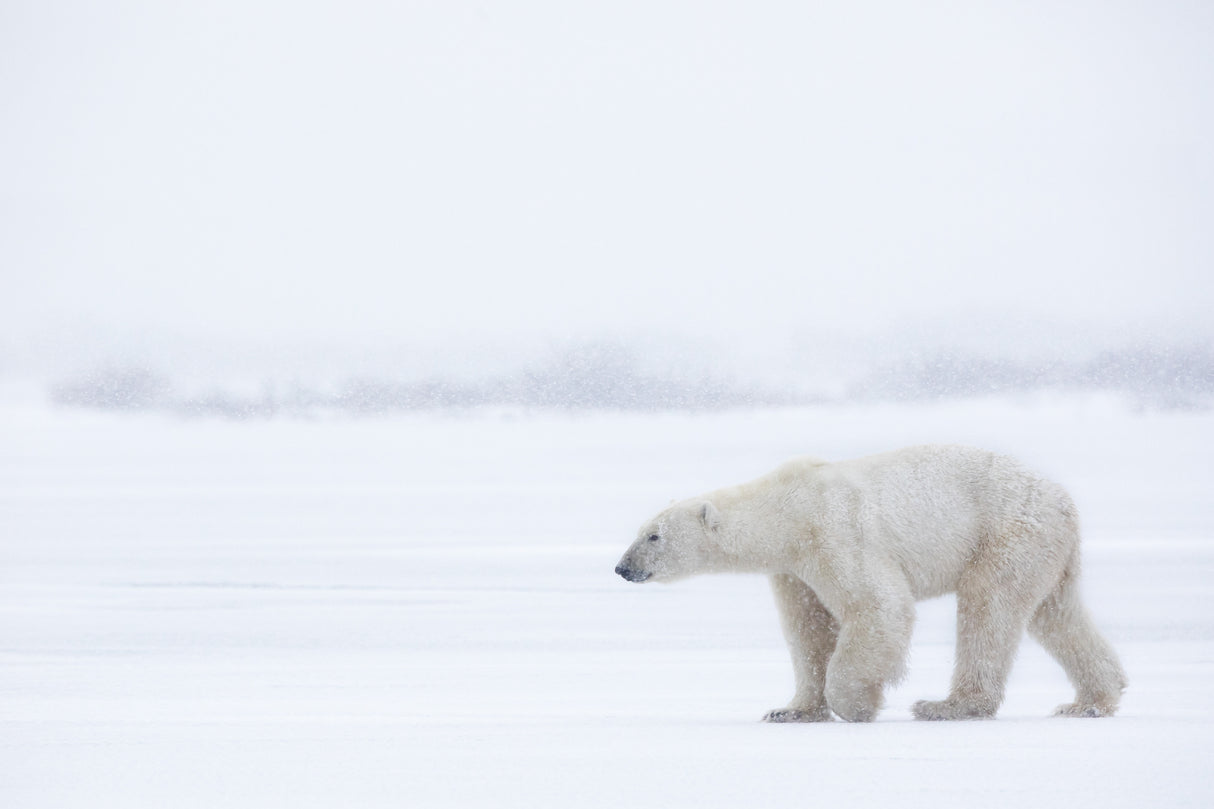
column 629, row 574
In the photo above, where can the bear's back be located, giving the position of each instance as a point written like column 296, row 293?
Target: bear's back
column 928, row 507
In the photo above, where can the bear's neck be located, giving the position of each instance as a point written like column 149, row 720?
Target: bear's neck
column 761, row 521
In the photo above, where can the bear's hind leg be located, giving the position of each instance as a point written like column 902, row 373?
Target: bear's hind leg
column 1063, row 627
column 810, row 631
column 995, row 599
column 988, row 635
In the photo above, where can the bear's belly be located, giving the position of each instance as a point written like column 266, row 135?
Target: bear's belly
column 932, row 562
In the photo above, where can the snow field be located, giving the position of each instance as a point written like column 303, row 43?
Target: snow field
column 421, row 611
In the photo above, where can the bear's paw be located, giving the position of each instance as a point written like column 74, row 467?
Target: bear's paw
column 783, row 715
column 946, row 710
column 1086, row 710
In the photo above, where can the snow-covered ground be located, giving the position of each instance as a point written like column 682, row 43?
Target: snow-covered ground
column 421, row 611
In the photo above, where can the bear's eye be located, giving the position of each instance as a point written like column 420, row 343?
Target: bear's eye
column 654, row 537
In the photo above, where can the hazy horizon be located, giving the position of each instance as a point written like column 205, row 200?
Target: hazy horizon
column 263, row 183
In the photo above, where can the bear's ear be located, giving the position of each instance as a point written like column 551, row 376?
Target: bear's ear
column 710, row 516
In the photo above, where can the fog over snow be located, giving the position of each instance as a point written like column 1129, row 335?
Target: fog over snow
column 775, row 190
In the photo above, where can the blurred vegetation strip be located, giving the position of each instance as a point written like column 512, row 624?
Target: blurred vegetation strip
column 611, row 376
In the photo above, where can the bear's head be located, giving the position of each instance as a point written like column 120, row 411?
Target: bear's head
column 681, row 541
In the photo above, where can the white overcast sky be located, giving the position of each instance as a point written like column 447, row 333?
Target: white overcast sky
column 273, row 170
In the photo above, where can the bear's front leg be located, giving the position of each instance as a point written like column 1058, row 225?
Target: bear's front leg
column 810, row 631
column 870, row 654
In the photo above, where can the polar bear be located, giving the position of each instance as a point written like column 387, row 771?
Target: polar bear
column 850, row 547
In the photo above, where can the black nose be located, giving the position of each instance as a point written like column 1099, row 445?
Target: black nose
column 630, row 574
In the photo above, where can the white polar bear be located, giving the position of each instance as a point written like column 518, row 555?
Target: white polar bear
column 851, row 546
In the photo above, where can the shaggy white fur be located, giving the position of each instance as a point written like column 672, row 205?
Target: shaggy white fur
column 851, row 546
